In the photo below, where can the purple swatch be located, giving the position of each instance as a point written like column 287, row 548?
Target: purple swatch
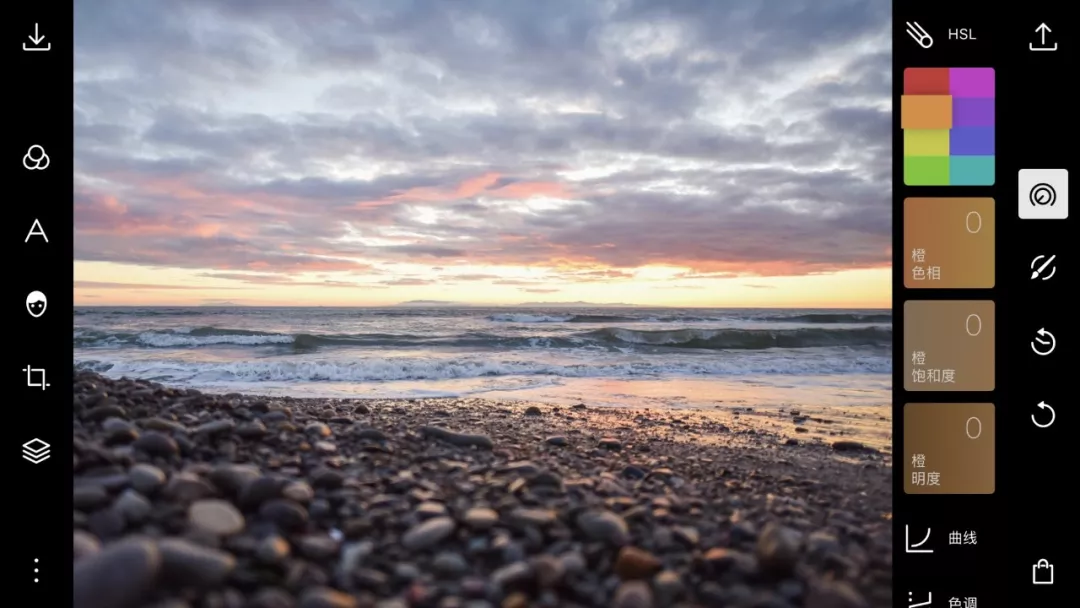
column 971, row 82
column 973, row 111
column 971, row 141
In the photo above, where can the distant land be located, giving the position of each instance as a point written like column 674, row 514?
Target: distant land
column 431, row 303
column 578, row 305
column 522, row 305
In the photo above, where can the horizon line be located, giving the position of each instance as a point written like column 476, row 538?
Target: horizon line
column 888, row 308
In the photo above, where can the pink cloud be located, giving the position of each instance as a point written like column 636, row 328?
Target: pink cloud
column 471, row 188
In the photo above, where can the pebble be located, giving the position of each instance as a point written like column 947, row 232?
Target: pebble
column 272, row 549
column 325, row 477
column 834, row 594
column 216, row 517
column 668, row 586
column 187, row 487
column 286, row 514
column 107, row 524
column 370, row 434
column 215, row 427
column 157, row 444
column 533, row 517
column 721, row 559
column 119, row 431
column 299, row 491
column 458, row 439
column 271, row 597
column 778, row 549
column 146, row 479
column 515, row 600
column 318, row 429
column 633, row 563
column 233, row 478
column 481, row 518
column 450, row 563
column 687, row 535
column 319, row 547
column 557, row 440
column 511, row 575
column 548, row 569
column 429, row 533
column 532, row 410
column 84, row 545
column 324, row 597
column 134, row 507
column 633, row 594
column 86, row 497
column 611, row 443
column 604, row 526
column 849, row 446
column 189, row 565
column 253, row 429
column 429, row 509
column 120, row 576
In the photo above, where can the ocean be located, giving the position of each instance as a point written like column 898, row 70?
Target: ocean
column 604, row 356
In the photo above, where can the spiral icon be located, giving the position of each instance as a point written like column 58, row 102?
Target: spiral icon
column 1043, row 195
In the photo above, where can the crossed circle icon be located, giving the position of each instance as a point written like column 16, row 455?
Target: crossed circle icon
column 36, row 159
column 1042, row 195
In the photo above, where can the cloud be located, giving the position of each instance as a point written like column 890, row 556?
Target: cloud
column 134, row 286
column 278, row 279
column 407, row 282
column 589, row 138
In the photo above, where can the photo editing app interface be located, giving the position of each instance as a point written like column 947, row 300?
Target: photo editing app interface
column 981, row 227
column 541, row 303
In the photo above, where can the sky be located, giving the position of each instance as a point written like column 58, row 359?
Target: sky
column 363, row 152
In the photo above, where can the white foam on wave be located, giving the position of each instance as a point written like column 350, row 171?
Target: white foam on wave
column 527, row 318
column 371, row 369
column 161, row 340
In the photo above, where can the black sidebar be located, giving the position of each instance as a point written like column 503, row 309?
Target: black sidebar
column 980, row 222
column 37, row 430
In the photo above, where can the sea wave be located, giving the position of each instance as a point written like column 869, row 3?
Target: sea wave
column 604, row 337
column 832, row 317
column 548, row 318
column 426, row 368
column 746, row 339
column 809, row 318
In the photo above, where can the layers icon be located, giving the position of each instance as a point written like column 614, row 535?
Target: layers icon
column 36, row 451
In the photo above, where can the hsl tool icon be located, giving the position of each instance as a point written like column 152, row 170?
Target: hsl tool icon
column 919, row 34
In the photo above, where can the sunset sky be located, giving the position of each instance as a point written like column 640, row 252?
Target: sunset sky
column 367, row 152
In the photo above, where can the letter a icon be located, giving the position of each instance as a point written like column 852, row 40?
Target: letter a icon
column 36, row 230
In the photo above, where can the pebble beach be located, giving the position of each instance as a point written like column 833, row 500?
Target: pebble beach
column 191, row 500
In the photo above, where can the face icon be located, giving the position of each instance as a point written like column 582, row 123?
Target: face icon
column 35, row 304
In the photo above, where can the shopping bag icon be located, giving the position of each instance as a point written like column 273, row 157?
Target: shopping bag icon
column 1042, row 573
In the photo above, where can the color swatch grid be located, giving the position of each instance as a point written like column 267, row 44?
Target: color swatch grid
column 947, row 115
